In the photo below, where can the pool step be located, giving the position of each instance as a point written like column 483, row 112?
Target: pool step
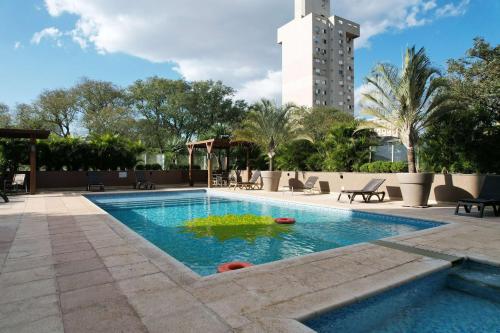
column 484, row 284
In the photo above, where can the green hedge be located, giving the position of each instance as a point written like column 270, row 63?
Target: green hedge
column 384, row 167
column 154, row 166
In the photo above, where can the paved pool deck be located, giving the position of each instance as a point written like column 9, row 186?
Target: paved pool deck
column 66, row 266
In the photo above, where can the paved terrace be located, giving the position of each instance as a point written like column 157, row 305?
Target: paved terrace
column 67, row 266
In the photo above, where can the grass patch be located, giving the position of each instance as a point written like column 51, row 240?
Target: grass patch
column 248, row 227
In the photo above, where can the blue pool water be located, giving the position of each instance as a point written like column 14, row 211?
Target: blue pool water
column 459, row 300
column 159, row 217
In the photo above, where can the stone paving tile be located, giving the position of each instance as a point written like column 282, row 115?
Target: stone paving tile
column 82, row 280
column 133, row 270
column 146, row 284
column 23, row 291
column 109, row 316
column 115, row 250
column 67, row 248
column 162, row 303
column 33, row 274
column 107, row 243
column 74, row 256
column 29, row 310
column 195, row 319
column 68, row 241
column 78, row 266
column 52, row 324
column 125, row 259
column 84, row 297
column 21, row 264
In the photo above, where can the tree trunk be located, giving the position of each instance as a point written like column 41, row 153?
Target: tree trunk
column 271, row 162
column 411, row 159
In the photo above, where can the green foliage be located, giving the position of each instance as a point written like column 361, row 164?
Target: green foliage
column 248, row 227
column 58, row 108
column 13, row 153
column 466, row 140
column 408, row 99
column 347, row 146
column 297, row 155
column 5, row 118
column 384, row 167
column 154, row 166
column 107, row 152
column 269, row 127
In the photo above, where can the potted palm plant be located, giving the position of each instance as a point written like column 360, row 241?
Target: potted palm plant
column 407, row 100
column 269, row 126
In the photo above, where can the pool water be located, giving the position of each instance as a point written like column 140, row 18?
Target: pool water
column 160, row 216
column 465, row 299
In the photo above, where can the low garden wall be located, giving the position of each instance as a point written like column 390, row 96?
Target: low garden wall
column 446, row 187
column 73, row 179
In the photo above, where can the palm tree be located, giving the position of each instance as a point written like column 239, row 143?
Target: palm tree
column 269, row 126
column 409, row 99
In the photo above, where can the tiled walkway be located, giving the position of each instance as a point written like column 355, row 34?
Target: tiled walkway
column 66, row 266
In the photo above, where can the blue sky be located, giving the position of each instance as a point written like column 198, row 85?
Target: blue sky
column 123, row 42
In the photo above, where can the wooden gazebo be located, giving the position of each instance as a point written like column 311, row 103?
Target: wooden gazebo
column 210, row 146
column 32, row 135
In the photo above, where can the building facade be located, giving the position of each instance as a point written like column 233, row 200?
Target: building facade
column 318, row 57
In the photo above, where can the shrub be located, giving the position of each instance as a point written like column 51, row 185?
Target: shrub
column 384, row 167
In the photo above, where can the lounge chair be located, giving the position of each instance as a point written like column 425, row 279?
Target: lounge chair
column 251, row 184
column 94, row 181
column 308, row 187
column 18, row 180
column 367, row 192
column 489, row 196
column 141, row 182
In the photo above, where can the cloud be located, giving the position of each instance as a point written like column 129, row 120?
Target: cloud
column 49, row 33
column 451, row 9
column 234, row 41
column 269, row 86
column 18, row 45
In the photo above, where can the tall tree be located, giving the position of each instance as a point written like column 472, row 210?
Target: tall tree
column 5, row 118
column 409, row 98
column 103, row 108
column 466, row 140
column 59, row 108
column 28, row 116
column 269, row 126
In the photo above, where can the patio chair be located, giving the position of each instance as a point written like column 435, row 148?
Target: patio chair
column 251, row 184
column 141, row 182
column 489, row 196
column 308, row 187
column 18, row 180
column 94, row 182
column 367, row 192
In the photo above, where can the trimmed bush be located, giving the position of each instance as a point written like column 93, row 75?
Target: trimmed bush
column 384, row 167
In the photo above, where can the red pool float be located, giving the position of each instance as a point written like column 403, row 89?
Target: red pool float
column 232, row 266
column 285, row 220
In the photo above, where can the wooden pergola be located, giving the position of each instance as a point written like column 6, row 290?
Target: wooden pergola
column 210, row 146
column 32, row 135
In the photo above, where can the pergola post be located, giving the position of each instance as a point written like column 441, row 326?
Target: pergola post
column 209, row 163
column 190, row 172
column 32, row 165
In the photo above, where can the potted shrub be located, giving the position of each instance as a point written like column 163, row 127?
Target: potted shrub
column 269, row 126
column 407, row 100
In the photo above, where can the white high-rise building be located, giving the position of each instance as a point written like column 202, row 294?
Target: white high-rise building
column 318, row 57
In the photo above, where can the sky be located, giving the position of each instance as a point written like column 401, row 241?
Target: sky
column 49, row 44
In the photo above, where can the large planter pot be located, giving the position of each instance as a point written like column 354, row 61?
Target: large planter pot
column 415, row 188
column 271, row 180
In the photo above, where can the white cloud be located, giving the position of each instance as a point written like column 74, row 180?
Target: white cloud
column 270, row 87
column 358, row 94
column 452, row 9
column 50, row 33
column 18, row 45
column 234, row 41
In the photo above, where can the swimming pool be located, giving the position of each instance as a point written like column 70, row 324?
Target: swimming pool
column 460, row 299
column 160, row 217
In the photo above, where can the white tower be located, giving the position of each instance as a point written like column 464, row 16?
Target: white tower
column 318, row 57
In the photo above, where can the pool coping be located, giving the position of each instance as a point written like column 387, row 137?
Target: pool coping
column 189, row 276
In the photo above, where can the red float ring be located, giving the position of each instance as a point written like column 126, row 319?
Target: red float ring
column 232, row 266
column 285, row 220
